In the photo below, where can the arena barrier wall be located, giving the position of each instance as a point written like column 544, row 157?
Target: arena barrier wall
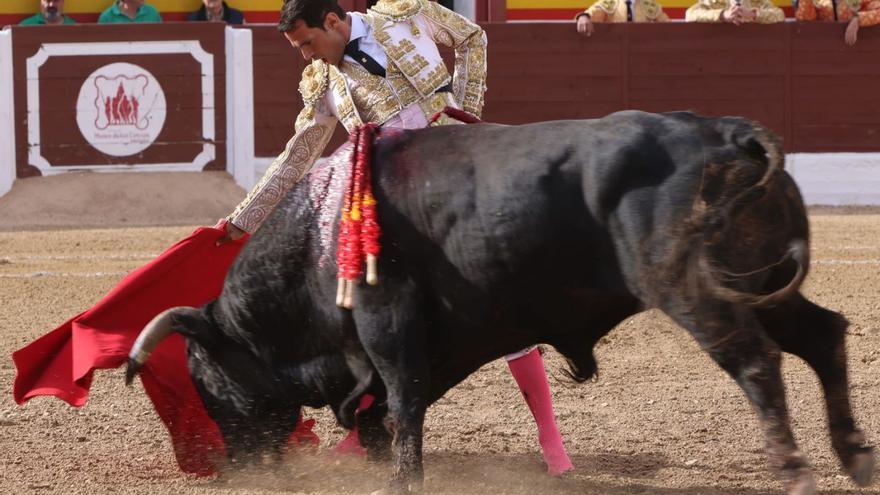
column 798, row 79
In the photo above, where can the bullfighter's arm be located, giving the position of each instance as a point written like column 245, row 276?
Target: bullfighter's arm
column 314, row 127
column 469, row 42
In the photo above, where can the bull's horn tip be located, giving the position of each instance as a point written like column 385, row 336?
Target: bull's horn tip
column 131, row 370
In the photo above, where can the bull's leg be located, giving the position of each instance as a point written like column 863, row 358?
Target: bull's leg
column 817, row 335
column 374, row 435
column 392, row 332
column 735, row 340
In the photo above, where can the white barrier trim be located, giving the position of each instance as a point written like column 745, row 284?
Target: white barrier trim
column 836, row 178
column 192, row 47
column 240, row 106
column 7, row 114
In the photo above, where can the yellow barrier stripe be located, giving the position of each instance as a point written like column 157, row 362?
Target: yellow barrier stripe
column 582, row 4
column 96, row 6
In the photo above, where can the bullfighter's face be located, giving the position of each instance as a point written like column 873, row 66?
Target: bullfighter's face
column 325, row 43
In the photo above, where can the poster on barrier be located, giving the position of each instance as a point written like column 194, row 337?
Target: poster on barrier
column 119, row 98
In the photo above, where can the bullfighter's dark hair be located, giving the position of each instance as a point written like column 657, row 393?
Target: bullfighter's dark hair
column 312, row 12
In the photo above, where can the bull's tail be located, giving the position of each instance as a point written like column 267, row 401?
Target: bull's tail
column 713, row 278
column 761, row 146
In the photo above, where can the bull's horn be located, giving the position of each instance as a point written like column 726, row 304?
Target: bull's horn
column 156, row 330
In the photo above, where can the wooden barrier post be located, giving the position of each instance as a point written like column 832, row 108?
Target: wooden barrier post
column 7, row 112
column 240, row 106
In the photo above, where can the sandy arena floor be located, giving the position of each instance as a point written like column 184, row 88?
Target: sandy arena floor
column 661, row 419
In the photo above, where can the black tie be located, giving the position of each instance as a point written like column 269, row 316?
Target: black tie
column 352, row 49
column 629, row 11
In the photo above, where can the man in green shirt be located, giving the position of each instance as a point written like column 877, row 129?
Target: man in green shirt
column 51, row 12
column 129, row 11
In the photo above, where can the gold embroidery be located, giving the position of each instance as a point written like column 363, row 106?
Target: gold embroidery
column 380, row 30
column 371, row 94
column 345, row 107
column 400, row 50
column 397, row 10
column 436, row 103
column 294, row 162
column 469, row 41
column 312, row 85
column 470, row 75
column 405, row 91
column 456, row 25
column 436, row 78
column 413, row 66
column 444, row 38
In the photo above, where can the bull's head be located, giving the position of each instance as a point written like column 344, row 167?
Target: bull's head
column 252, row 403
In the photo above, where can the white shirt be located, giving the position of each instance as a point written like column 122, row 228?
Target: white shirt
column 367, row 44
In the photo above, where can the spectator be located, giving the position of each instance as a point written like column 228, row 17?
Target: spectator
column 619, row 11
column 129, row 11
column 51, row 12
column 217, row 10
column 735, row 11
column 859, row 13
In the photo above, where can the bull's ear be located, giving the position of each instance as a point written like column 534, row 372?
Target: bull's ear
column 192, row 324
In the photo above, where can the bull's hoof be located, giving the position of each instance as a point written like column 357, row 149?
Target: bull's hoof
column 805, row 485
column 861, row 467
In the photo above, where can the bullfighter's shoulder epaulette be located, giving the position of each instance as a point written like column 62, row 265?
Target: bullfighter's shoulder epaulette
column 314, row 81
column 397, row 10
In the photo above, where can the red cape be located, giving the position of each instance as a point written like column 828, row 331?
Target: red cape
column 61, row 363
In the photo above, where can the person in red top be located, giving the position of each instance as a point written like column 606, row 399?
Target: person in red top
column 858, row 13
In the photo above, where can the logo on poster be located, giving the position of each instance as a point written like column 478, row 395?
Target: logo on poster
column 121, row 109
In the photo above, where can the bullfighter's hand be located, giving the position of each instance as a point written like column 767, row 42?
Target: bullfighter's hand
column 585, row 25
column 231, row 232
column 852, row 31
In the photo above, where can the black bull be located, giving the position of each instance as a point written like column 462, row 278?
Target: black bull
column 496, row 238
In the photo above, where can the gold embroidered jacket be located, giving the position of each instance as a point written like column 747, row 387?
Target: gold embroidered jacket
column 710, row 11
column 615, row 11
column 409, row 31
